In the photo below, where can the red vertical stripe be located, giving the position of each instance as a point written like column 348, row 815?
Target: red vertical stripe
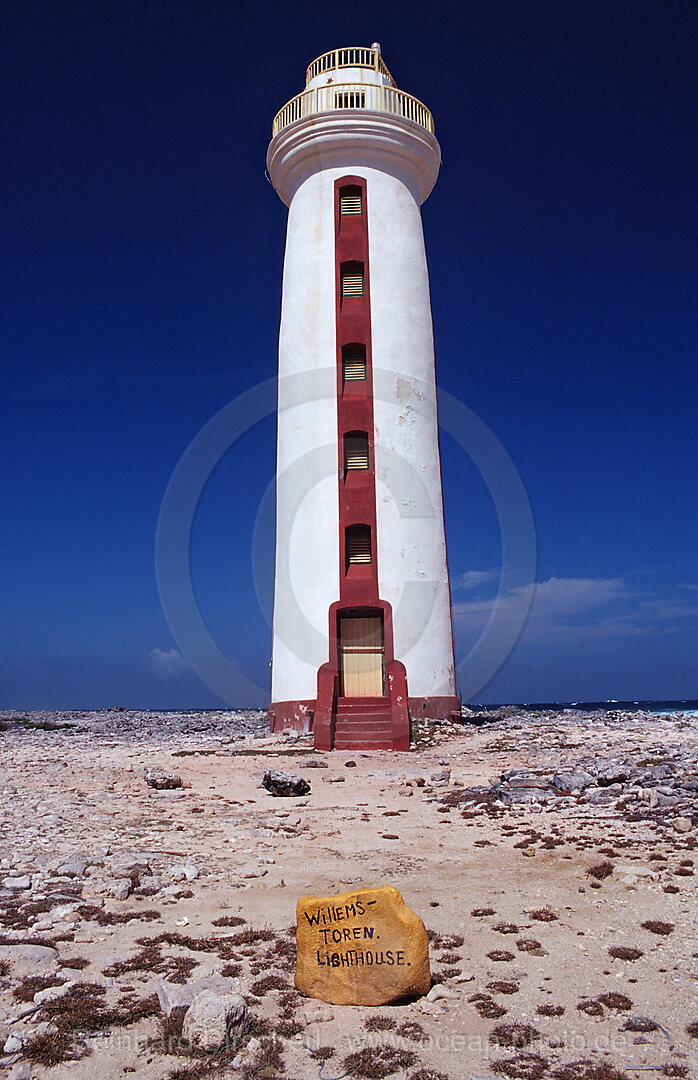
column 357, row 488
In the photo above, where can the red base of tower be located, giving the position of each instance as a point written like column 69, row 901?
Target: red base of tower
column 435, row 708
column 359, row 723
column 294, row 715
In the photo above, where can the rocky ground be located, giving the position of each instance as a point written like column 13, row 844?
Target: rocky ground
column 552, row 857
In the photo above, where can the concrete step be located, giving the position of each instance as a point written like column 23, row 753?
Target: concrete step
column 382, row 717
column 352, row 704
column 385, row 743
column 379, row 709
column 368, row 724
column 363, row 721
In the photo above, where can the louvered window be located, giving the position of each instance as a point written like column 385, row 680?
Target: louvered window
column 354, row 363
column 352, row 277
column 350, row 99
column 356, row 451
column 350, row 201
column 358, row 545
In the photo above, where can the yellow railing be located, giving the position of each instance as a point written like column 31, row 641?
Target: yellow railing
column 369, row 96
column 344, row 58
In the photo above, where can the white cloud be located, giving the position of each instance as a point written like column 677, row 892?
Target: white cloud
column 472, row 579
column 574, row 596
column 666, row 610
column 579, row 611
column 557, row 596
column 167, row 663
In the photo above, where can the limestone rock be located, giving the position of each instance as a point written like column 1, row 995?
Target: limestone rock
column 212, row 1021
column 50, row 993
column 131, row 864
column 611, row 772
column 431, row 1008
column 160, row 779
column 176, row 998
column 363, row 947
column 682, row 824
column 278, row 783
column 21, row 1070
column 65, row 912
column 17, row 884
column 534, row 782
column 572, row 782
column 120, row 889
column 439, row 991
column 74, row 866
column 29, row 959
column 518, row 795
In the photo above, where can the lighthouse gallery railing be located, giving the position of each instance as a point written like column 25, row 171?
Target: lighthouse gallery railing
column 368, row 96
column 344, row 58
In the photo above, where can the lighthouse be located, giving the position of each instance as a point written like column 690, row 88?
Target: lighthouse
column 362, row 629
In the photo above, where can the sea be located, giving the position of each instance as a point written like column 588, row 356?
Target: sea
column 688, row 706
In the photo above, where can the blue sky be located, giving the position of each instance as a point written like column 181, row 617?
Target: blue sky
column 141, row 289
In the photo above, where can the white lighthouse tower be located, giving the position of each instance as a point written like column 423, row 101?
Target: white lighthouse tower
column 363, row 638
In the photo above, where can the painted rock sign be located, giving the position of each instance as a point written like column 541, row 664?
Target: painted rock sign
column 364, row 947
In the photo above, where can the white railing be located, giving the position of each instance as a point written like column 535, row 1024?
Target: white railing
column 345, row 96
column 348, row 58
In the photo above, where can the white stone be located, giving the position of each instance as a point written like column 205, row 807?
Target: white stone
column 29, row 959
column 51, row 992
column 12, row 1045
column 431, row 1008
column 21, row 1070
column 211, row 1021
column 171, row 890
column 74, row 866
column 64, row 911
column 121, row 888
column 439, row 991
column 174, row 997
column 17, row 884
